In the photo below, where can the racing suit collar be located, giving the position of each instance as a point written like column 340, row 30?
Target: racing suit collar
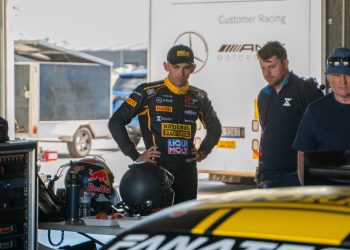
column 174, row 89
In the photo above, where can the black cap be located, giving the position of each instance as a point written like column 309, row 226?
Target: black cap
column 180, row 54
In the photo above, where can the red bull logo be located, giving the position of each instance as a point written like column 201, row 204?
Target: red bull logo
column 99, row 175
column 100, row 189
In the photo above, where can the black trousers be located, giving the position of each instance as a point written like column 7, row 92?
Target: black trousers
column 266, row 179
column 185, row 183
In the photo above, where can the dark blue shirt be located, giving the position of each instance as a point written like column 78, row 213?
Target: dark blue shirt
column 280, row 116
column 325, row 126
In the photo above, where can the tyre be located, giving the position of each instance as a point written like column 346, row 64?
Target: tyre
column 81, row 144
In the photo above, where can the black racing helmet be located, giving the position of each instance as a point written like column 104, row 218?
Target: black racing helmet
column 145, row 189
column 95, row 176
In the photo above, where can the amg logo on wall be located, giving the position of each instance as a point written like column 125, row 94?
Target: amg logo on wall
column 237, row 52
column 250, row 47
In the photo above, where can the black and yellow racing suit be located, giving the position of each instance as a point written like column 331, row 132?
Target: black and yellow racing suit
column 168, row 116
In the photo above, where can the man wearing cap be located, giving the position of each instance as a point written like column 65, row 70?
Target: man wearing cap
column 326, row 122
column 168, row 110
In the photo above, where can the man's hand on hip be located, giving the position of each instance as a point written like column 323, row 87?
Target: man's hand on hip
column 198, row 155
column 150, row 155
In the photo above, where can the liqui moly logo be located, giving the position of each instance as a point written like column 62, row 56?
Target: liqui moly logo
column 177, row 146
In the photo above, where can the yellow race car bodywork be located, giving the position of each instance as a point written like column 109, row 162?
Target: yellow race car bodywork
column 299, row 218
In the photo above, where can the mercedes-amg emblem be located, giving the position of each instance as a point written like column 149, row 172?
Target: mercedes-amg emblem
column 199, row 46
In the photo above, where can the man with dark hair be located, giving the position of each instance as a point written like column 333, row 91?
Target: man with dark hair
column 168, row 110
column 281, row 105
column 326, row 122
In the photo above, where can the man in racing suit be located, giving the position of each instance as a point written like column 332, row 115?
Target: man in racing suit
column 168, row 111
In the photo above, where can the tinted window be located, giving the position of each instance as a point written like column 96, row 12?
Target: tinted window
column 74, row 92
column 128, row 84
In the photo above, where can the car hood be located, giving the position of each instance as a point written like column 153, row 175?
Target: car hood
column 317, row 216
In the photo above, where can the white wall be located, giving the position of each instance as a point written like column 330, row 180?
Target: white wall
column 7, row 65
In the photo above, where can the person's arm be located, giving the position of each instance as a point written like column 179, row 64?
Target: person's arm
column 301, row 167
column 213, row 126
column 304, row 140
column 258, row 104
column 310, row 93
column 121, row 117
column 264, row 98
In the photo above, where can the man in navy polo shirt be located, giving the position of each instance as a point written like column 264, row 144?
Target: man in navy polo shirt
column 326, row 122
column 281, row 105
